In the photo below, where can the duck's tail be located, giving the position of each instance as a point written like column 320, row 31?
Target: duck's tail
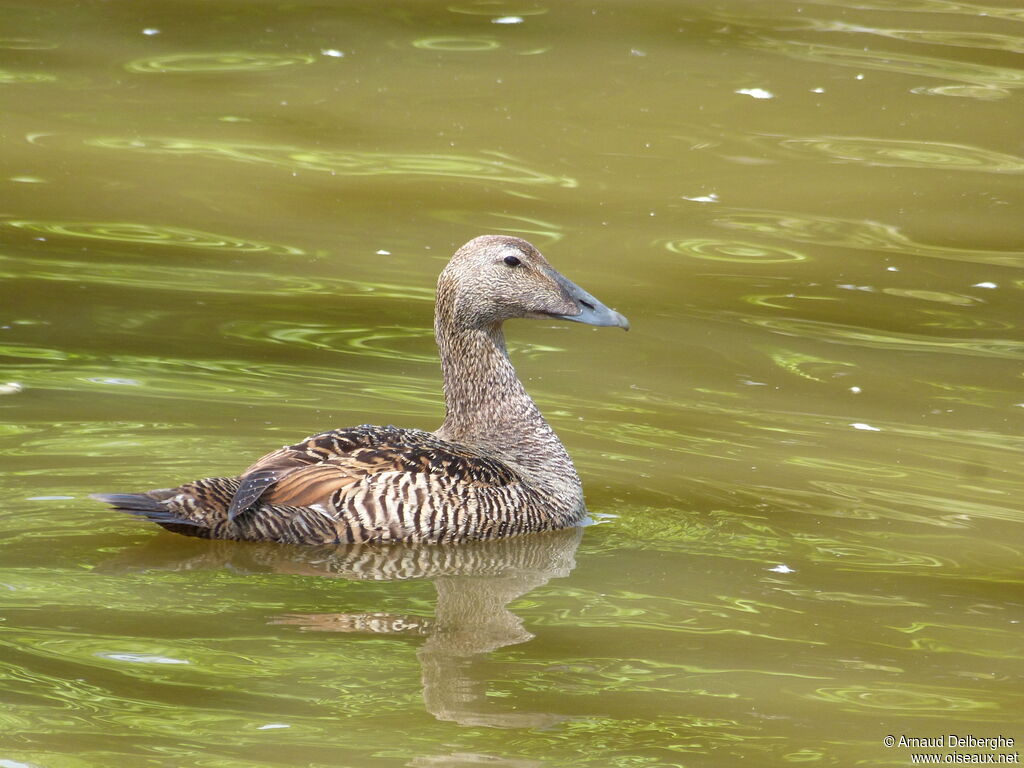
column 154, row 506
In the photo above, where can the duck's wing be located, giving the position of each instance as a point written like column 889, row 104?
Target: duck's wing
column 322, row 468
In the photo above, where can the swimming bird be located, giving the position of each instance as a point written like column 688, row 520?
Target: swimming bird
column 494, row 467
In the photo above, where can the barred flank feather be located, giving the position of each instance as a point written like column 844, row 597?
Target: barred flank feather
column 494, row 468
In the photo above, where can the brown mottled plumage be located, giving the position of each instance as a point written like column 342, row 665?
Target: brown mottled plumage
column 494, row 468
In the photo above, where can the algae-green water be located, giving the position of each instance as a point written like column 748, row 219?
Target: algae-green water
column 220, row 228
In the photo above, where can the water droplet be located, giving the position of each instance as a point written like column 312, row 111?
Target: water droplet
column 757, row 93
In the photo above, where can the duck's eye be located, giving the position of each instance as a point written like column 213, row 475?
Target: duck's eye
column 513, row 261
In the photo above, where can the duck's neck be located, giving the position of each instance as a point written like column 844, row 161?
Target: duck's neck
column 487, row 408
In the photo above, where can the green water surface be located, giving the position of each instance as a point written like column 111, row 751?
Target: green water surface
column 220, row 227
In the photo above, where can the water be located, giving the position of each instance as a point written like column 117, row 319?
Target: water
column 220, row 231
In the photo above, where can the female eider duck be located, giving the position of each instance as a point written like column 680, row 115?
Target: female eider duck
column 494, row 468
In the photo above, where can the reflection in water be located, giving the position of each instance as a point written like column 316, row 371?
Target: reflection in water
column 898, row 153
column 488, row 166
column 475, row 582
column 218, row 62
column 855, row 233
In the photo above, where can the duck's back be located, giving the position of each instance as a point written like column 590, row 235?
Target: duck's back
column 359, row 484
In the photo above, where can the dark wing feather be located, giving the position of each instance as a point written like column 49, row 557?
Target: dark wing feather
column 253, row 485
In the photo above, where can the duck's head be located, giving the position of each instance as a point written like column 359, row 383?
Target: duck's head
column 494, row 278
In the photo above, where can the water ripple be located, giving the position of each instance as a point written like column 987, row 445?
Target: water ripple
column 958, row 321
column 971, row 9
column 734, row 251
column 952, row 638
column 539, row 231
column 889, row 340
column 810, row 367
column 228, row 381
column 379, row 341
column 851, row 554
column 457, row 44
column 954, row 511
column 489, row 166
column 499, row 8
column 26, row 44
column 903, row 63
column 980, row 92
column 992, row 41
column 11, row 78
column 896, row 153
column 920, row 700
column 943, row 297
column 192, row 279
column 854, row 233
column 209, row 63
column 149, row 234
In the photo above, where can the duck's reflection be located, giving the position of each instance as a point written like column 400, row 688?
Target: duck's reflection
column 475, row 582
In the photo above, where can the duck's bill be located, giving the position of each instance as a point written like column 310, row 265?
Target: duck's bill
column 591, row 311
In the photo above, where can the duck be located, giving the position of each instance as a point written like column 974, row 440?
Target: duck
column 494, row 468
